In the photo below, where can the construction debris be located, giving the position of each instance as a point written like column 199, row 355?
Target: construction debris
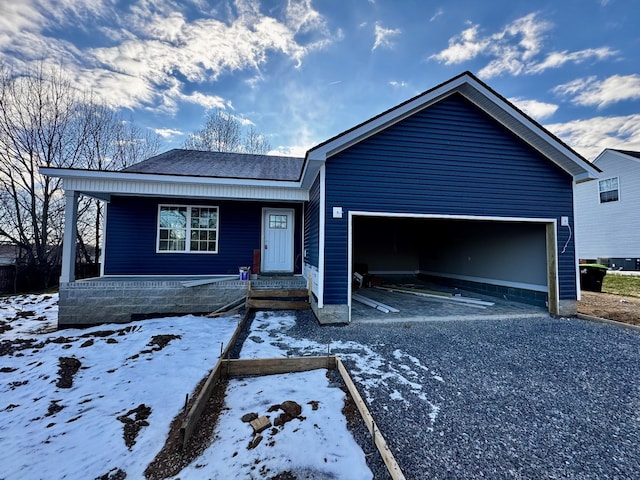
column 234, row 306
column 205, row 281
column 373, row 303
column 439, row 295
column 260, row 424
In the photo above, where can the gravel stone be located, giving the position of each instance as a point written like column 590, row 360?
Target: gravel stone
column 541, row 398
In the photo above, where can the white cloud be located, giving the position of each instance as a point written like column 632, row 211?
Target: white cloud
column 384, row 36
column 590, row 137
column 558, row 59
column 290, row 151
column 514, row 49
column 167, row 132
column 462, row 47
column 436, row 15
column 207, row 101
column 534, row 108
column 152, row 48
column 593, row 92
column 396, row 84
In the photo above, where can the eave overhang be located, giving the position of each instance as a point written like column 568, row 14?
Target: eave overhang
column 103, row 184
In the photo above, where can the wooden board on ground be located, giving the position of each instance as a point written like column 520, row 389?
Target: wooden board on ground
column 277, row 304
column 438, row 295
column 264, row 366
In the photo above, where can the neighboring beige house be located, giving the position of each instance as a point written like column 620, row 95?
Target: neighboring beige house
column 608, row 212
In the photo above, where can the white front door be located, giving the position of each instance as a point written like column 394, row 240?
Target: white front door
column 277, row 240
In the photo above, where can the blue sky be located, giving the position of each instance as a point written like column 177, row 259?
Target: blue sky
column 302, row 71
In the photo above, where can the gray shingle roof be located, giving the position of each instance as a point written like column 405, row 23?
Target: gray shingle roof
column 220, row 164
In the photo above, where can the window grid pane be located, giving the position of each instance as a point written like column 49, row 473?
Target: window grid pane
column 204, row 224
column 183, row 228
column 278, row 222
column 608, row 190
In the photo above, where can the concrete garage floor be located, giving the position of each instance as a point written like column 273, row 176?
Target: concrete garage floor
column 417, row 308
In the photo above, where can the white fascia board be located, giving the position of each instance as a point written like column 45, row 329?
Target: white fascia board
column 103, row 184
column 311, row 169
column 436, row 216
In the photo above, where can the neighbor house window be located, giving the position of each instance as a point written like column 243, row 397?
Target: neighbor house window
column 608, row 190
column 184, row 228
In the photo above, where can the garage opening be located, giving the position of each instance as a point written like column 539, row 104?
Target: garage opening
column 506, row 265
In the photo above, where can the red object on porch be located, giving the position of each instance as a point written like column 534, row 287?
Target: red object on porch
column 256, row 261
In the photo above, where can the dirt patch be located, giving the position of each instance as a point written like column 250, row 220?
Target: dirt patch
column 134, row 420
column 158, row 342
column 10, row 347
column 54, row 408
column 69, row 366
column 113, row 474
column 172, row 458
column 611, row 307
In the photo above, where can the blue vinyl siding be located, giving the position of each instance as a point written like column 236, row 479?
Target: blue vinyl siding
column 449, row 159
column 312, row 225
column 132, row 229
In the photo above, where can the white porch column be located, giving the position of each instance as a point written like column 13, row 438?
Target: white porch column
column 69, row 241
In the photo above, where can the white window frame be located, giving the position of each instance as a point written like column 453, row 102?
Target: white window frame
column 188, row 229
column 617, row 189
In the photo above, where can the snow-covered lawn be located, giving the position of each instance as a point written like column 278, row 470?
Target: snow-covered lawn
column 98, row 402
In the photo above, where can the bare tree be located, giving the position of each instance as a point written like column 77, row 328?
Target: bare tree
column 255, row 143
column 223, row 133
column 45, row 121
column 37, row 114
column 107, row 142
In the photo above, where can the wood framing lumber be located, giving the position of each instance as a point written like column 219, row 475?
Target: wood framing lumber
column 300, row 292
column 272, row 366
column 191, row 420
column 193, row 415
column 228, row 306
column 225, row 312
column 470, row 301
column 373, row 303
column 381, row 443
column 277, row 304
column 205, row 281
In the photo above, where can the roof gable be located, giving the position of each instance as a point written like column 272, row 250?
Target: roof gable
column 483, row 97
column 630, row 153
column 194, row 163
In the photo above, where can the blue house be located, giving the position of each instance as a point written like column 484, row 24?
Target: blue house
column 455, row 185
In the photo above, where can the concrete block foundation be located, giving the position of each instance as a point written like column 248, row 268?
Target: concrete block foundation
column 120, row 301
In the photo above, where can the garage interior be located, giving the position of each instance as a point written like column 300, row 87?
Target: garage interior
column 428, row 267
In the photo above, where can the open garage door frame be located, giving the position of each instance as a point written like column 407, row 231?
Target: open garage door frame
column 550, row 225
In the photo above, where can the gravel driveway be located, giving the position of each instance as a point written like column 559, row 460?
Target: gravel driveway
column 526, row 398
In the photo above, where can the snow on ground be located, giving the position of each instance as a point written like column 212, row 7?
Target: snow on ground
column 133, row 378
column 315, row 445
column 369, row 370
column 29, row 314
column 48, row 431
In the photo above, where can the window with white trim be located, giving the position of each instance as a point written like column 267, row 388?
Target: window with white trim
column 185, row 228
column 609, row 190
